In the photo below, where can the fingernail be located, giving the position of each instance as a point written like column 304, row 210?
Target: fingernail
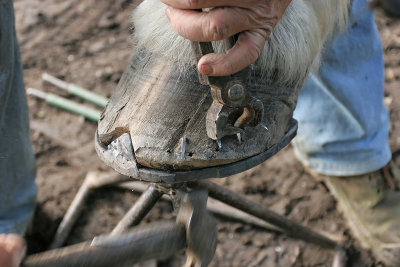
column 206, row 69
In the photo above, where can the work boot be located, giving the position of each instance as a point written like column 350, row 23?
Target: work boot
column 371, row 205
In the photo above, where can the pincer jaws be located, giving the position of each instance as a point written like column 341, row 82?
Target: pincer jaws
column 233, row 108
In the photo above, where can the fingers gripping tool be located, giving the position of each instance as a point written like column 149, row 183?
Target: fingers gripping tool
column 233, row 107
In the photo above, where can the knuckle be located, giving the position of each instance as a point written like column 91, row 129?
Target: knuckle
column 266, row 20
column 254, row 52
column 232, row 68
column 269, row 27
column 217, row 30
column 192, row 3
column 228, row 68
column 178, row 28
column 182, row 31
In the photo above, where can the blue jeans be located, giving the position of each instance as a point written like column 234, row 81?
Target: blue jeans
column 17, row 167
column 343, row 124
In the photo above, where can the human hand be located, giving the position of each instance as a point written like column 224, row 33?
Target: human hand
column 254, row 20
column 12, row 250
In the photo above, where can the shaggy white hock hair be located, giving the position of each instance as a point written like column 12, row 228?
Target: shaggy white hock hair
column 292, row 50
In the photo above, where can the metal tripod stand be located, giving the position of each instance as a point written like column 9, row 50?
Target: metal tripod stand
column 194, row 228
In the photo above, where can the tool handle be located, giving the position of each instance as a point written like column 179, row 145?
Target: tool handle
column 76, row 90
column 151, row 241
column 60, row 102
column 87, row 95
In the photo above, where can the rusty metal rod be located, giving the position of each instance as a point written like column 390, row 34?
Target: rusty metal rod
column 228, row 212
column 141, row 207
column 291, row 228
column 225, row 211
column 215, row 207
column 339, row 258
column 92, row 180
column 155, row 241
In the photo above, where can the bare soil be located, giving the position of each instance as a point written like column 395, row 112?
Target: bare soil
column 88, row 43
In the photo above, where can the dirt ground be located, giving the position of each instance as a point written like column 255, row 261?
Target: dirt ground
column 88, row 43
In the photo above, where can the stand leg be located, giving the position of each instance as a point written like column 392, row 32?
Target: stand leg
column 201, row 230
column 92, row 180
column 255, row 209
column 217, row 208
column 141, row 207
column 153, row 241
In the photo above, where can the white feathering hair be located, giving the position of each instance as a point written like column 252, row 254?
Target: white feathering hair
column 292, row 50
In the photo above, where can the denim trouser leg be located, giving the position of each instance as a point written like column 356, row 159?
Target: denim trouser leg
column 343, row 124
column 17, row 167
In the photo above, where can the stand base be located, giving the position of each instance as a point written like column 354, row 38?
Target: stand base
column 194, row 228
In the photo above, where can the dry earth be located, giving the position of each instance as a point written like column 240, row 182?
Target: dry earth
column 88, row 43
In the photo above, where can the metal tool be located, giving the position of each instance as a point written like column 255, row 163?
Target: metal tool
column 201, row 230
column 194, row 229
column 233, row 107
